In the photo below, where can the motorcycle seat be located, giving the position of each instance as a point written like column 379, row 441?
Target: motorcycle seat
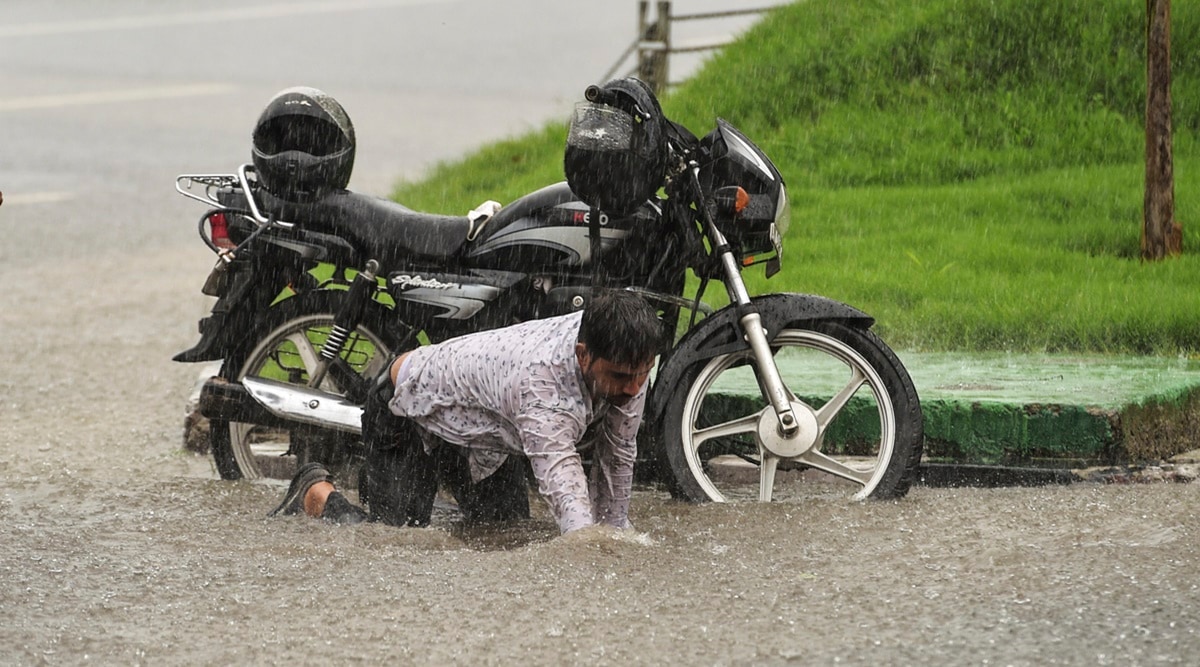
column 382, row 229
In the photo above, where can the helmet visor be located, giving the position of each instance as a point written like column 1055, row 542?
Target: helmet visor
column 315, row 136
column 597, row 127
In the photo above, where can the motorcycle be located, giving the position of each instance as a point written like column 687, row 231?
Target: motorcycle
column 770, row 396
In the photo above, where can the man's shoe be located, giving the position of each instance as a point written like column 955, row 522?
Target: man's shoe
column 306, row 476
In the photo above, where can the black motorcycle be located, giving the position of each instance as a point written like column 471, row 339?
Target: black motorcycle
column 317, row 292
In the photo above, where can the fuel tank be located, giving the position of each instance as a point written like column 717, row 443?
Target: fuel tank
column 547, row 230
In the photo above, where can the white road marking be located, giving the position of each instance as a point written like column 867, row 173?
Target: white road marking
column 114, row 96
column 18, row 198
column 189, row 18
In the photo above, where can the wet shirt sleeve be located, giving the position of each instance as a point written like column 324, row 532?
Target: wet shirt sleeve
column 550, row 423
column 612, row 468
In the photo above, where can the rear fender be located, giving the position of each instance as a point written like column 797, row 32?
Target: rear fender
column 278, row 258
column 231, row 315
column 311, row 247
column 253, row 285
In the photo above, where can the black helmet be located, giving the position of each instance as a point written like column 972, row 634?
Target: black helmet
column 616, row 156
column 303, row 144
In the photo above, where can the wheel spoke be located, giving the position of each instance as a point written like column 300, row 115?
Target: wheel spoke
column 309, row 355
column 747, row 424
column 821, row 461
column 835, row 404
column 375, row 364
column 766, row 479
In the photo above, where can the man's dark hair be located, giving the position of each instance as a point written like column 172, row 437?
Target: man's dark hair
column 621, row 327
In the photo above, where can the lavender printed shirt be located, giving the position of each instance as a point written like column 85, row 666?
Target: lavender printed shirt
column 520, row 390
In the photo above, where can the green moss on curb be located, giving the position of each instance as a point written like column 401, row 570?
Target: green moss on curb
column 1010, row 434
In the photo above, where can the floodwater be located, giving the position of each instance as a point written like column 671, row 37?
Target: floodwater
column 120, row 548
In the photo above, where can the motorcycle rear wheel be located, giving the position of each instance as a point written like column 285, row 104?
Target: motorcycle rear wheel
column 285, row 346
column 861, row 426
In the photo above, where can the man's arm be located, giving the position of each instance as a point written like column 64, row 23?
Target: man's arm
column 612, row 466
column 549, row 437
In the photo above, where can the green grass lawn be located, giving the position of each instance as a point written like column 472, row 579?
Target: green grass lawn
column 1038, row 262
column 967, row 171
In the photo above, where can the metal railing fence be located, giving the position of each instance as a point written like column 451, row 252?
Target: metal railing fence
column 654, row 44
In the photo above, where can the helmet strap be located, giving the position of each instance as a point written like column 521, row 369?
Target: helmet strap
column 594, row 238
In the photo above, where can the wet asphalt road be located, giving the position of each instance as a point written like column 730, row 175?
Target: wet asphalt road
column 119, row 548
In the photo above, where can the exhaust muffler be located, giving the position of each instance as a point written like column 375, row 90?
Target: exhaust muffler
column 273, row 403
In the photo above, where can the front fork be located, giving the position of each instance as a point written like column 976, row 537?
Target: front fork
column 770, row 381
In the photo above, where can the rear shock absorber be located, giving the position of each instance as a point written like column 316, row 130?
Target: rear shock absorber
column 346, row 320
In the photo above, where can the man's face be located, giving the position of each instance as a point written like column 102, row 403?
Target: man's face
column 615, row 383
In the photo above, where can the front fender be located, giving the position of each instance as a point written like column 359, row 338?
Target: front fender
column 720, row 334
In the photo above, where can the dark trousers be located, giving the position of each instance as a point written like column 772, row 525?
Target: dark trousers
column 402, row 479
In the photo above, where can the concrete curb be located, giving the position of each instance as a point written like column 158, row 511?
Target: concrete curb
column 1057, row 411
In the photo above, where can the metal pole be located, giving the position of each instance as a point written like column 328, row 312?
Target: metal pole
column 664, row 35
column 654, row 45
column 645, row 29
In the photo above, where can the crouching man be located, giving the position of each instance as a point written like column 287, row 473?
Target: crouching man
column 464, row 412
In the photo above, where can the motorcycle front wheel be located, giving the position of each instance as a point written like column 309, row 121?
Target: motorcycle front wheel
column 285, row 346
column 860, row 431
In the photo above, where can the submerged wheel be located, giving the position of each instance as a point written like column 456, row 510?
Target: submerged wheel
column 860, row 422
column 285, row 346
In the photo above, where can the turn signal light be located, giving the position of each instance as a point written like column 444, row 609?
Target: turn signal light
column 731, row 200
column 742, row 200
